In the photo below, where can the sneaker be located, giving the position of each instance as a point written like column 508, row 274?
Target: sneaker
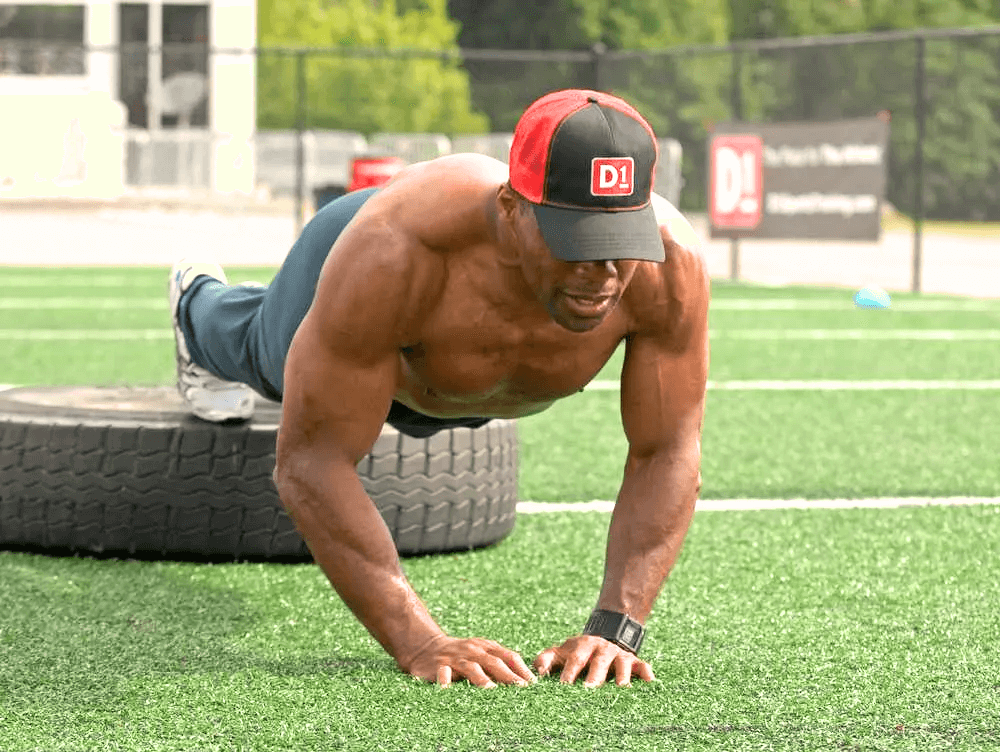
column 209, row 397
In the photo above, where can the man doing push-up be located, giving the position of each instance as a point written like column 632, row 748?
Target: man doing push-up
column 462, row 291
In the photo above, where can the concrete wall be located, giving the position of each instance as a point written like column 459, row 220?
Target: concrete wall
column 64, row 136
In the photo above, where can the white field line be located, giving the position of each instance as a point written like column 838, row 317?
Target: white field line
column 738, row 505
column 777, row 386
column 54, row 281
column 984, row 335
column 769, row 304
column 798, row 304
column 100, row 304
column 826, row 385
column 741, row 334
column 724, row 505
column 72, row 335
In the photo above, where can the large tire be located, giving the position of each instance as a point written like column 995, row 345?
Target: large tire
column 127, row 471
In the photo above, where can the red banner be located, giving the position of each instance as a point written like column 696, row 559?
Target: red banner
column 735, row 192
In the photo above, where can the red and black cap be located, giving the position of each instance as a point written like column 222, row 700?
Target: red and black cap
column 585, row 160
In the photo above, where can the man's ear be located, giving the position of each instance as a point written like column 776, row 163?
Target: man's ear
column 508, row 202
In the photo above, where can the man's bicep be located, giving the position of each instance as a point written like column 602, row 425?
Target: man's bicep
column 340, row 373
column 663, row 395
column 333, row 403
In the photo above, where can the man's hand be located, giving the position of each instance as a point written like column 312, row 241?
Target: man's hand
column 601, row 656
column 483, row 663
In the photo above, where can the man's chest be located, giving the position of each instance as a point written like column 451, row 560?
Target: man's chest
column 485, row 366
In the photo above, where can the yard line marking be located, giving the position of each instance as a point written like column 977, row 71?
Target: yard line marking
column 747, row 505
column 777, row 304
column 81, row 280
column 721, row 305
column 743, row 334
column 858, row 334
column 49, row 304
column 828, row 385
column 904, row 306
column 37, row 335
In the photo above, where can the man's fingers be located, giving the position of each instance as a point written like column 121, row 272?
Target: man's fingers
column 498, row 670
column 516, row 663
column 444, row 676
column 545, row 661
column 475, row 674
column 623, row 670
column 644, row 671
column 574, row 664
column 600, row 662
column 627, row 666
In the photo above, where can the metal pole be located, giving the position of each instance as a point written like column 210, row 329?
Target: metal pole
column 300, row 126
column 154, row 81
column 597, row 53
column 920, row 115
column 737, row 111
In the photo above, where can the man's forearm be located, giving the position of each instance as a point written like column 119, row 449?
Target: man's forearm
column 650, row 520
column 353, row 547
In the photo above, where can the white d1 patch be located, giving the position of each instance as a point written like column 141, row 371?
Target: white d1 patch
column 612, row 176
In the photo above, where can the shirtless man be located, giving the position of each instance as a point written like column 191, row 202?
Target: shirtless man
column 459, row 293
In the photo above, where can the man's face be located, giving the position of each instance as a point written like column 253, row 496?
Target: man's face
column 577, row 295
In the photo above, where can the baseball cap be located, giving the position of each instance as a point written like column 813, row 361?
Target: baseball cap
column 585, row 161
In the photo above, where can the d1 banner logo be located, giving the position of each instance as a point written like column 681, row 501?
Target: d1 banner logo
column 735, row 191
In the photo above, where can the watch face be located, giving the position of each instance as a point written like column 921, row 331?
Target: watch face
column 630, row 633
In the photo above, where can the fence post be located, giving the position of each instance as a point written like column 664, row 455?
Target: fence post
column 920, row 115
column 300, row 126
column 736, row 105
column 597, row 53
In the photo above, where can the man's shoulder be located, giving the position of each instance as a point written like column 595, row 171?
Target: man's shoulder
column 439, row 203
column 453, row 172
column 661, row 294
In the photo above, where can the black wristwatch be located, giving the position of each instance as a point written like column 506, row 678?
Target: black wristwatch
column 621, row 629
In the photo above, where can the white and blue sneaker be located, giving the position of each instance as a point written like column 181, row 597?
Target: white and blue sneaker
column 209, row 397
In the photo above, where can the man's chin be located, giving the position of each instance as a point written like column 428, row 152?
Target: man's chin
column 578, row 324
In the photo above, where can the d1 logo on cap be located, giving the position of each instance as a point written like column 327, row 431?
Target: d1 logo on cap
column 612, row 176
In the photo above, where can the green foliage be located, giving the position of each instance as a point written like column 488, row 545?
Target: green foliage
column 962, row 136
column 409, row 91
column 518, row 25
column 767, row 19
column 677, row 96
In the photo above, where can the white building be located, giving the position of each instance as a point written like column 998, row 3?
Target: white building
column 102, row 97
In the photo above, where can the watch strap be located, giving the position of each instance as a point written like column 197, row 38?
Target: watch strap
column 621, row 629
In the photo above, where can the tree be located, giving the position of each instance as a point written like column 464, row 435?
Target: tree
column 962, row 144
column 410, row 87
column 677, row 96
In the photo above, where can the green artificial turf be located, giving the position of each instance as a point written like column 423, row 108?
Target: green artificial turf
column 742, row 360
column 783, row 445
column 805, row 630
column 783, row 630
column 755, row 444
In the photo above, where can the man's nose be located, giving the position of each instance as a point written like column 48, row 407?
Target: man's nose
column 604, row 268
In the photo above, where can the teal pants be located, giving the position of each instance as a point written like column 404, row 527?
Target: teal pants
column 243, row 333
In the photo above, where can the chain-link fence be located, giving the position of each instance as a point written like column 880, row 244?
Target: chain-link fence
column 315, row 108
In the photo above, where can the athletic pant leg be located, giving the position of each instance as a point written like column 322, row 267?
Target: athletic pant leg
column 243, row 333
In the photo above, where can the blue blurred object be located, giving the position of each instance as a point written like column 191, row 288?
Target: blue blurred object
column 872, row 297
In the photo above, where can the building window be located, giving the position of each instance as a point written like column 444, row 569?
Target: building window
column 41, row 40
column 184, row 84
column 185, row 66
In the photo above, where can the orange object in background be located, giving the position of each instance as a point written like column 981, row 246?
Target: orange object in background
column 368, row 172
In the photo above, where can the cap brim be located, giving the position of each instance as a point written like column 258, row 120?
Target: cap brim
column 575, row 235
